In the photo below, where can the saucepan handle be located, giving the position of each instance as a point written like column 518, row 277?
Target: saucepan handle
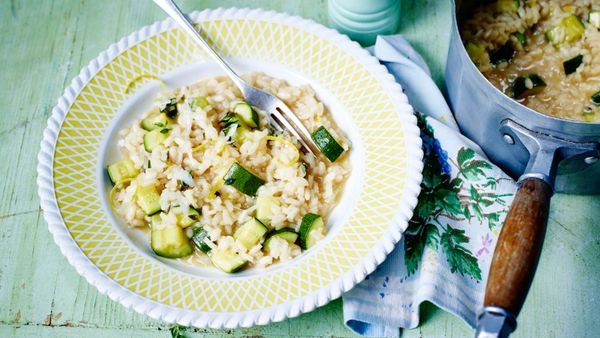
column 515, row 258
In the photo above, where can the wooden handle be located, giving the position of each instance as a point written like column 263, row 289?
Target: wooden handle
column 519, row 246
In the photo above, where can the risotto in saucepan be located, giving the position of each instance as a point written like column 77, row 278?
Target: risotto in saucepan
column 543, row 53
column 215, row 184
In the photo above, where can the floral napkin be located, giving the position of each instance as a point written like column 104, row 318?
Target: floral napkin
column 445, row 253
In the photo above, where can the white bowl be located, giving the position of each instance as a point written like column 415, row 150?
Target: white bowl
column 365, row 101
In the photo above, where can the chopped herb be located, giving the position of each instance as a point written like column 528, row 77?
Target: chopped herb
column 159, row 124
column 164, row 131
column 149, row 164
column 178, row 331
column 230, row 123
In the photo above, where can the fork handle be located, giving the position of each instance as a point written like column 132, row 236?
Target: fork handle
column 175, row 13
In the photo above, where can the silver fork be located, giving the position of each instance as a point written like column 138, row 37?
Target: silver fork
column 280, row 116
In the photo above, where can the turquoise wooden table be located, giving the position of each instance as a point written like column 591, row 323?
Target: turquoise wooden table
column 44, row 44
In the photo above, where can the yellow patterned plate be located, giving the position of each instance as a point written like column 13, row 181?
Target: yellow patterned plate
column 374, row 211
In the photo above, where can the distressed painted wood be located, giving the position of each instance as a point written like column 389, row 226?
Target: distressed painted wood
column 44, row 44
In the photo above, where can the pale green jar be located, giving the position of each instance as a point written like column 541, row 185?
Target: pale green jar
column 363, row 20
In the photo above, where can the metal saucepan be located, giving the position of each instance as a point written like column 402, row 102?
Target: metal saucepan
column 545, row 154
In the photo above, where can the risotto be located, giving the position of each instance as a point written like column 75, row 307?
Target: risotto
column 543, row 53
column 213, row 183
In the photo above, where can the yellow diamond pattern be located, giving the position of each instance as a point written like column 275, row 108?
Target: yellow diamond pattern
column 319, row 59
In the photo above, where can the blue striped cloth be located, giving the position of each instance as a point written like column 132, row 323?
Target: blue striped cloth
column 444, row 255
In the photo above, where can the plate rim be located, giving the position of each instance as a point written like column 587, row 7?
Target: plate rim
column 171, row 314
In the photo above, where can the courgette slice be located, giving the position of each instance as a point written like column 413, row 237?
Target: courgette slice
column 148, row 198
column 568, row 30
column 247, row 114
column 596, row 98
column 527, row 85
column 287, row 234
column 508, row 5
column 327, row 144
column 185, row 221
column 477, row 53
column 521, row 38
column 170, row 108
column 168, row 241
column 594, row 18
column 199, row 238
column 155, row 121
column 265, row 206
column 199, row 101
column 250, row 233
column 243, row 179
column 227, row 260
column 154, row 138
column 570, row 65
column 503, row 54
column 312, row 229
column 122, row 170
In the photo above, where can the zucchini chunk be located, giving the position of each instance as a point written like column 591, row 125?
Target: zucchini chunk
column 154, row 138
column 250, row 233
column 264, row 207
column 596, row 98
column 312, row 229
column 521, row 38
column 243, row 179
column 247, row 114
column 170, row 108
column 570, row 65
column 185, row 221
column 503, row 54
column 527, row 85
column 199, row 101
column 199, row 239
column 568, row 30
column 287, row 234
column 477, row 53
column 155, row 121
column 168, row 241
column 122, row 170
column 327, row 144
column 227, row 260
column 508, row 5
column 148, row 199
column 594, row 18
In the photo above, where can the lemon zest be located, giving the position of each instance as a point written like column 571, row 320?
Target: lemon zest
column 143, row 76
column 118, row 185
column 296, row 156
